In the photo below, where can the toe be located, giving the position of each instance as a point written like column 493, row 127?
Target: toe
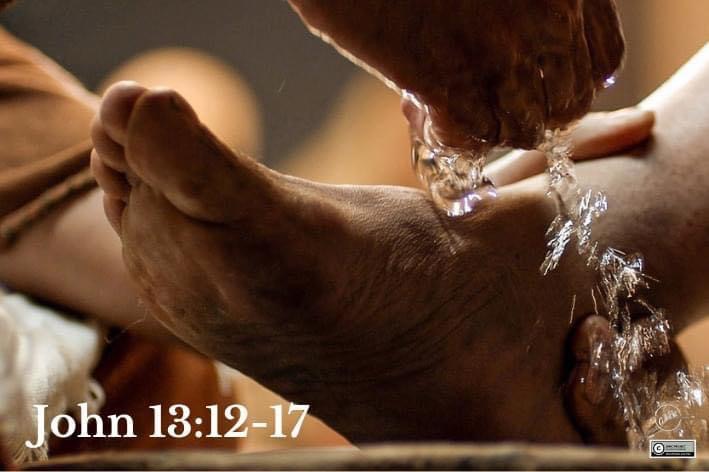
column 168, row 148
column 113, row 208
column 112, row 182
column 110, row 152
column 116, row 108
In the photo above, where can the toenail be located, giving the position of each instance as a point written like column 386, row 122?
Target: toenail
column 117, row 108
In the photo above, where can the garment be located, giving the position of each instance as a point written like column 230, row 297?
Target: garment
column 46, row 358
column 45, row 116
column 44, row 121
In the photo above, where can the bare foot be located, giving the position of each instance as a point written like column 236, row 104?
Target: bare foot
column 392, row 321
column 360, row 301
column 227, row 100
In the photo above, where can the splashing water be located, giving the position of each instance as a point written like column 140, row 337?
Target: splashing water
column 454, row 177
column 677, row 408
column 651, row 408
column 610, row 81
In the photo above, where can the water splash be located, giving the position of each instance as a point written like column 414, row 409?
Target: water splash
column 652, row 408
column 454, row 177
column 610, row 81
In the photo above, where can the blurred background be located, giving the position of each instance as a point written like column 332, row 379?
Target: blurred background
column 265, row 85
column 294, row 76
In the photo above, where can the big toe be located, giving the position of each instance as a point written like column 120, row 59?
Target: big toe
column 167, row 147
column 116, row 108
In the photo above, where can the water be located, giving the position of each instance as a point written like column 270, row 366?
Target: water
column 454, row 177
column 674, row 407
column 651, row 408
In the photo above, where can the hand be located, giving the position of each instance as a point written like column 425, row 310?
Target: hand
column 597, row 135
column 491, row 71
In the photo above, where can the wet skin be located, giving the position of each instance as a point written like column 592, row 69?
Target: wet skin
column 501, row 71
column 364, row 301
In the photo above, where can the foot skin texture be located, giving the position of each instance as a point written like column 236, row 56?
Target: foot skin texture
column 390, row 320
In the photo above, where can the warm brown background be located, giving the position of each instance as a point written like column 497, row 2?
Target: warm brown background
column 295, row 77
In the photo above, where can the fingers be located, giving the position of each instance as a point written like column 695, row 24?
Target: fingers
column 567, row 85
column 515, row 166
column 451, row 124
column 469, row 121
column 597, row 135
column 521, row 106
column 414, row 114
column 564, row 64
column 604, row 38
column 601, row 134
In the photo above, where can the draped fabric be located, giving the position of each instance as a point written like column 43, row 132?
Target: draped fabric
column 45, row 116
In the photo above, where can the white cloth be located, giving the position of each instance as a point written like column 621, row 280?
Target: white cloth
column 45, row 358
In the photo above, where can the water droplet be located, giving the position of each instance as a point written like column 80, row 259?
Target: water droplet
column 621, row 280
column 454, row 177
column 610, row 81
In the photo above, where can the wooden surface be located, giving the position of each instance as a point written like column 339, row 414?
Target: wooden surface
column 385, row 457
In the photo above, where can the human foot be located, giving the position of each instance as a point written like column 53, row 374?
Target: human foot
column 240, row 297
column 227, row 100
column 362, row 301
